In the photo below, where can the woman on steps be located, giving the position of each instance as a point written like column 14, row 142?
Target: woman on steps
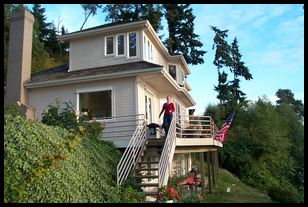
column 168, row 108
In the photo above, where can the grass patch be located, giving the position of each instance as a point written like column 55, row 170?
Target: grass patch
column 239, row 192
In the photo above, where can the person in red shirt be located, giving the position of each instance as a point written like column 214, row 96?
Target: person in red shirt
column 168, row 108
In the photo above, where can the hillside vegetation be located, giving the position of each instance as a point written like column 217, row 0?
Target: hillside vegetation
column 265, row 148
column 86, row 173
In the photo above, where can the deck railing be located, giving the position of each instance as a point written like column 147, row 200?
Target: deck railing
column 188, row 126
column 133, row 150
column 167, row 155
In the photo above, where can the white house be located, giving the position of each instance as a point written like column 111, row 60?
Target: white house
column 121, row 73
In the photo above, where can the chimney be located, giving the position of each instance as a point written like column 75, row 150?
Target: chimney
column 19, row 58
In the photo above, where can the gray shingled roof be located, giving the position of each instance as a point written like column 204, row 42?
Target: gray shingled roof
column 61, row 72
column 106, row 25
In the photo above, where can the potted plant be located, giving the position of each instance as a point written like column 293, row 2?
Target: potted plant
column 167, row 194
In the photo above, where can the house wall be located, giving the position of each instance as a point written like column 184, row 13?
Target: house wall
column 90, row 52
column 123, row 99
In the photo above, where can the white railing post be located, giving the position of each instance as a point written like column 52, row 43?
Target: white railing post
column 132, row 152
column 167, row 155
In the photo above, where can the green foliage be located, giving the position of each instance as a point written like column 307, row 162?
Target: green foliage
column 285, row 96
column 67, row 118
column 11, row 109
column 88, row 10
column 38, row 167
column 182, row 39
column 264, row 148
column 228, row 56
column 130, row 195
column 135, row 12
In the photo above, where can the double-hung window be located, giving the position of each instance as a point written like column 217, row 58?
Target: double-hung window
column 109, row 45
column 132, row 44
column 172, row 71
column 120, row 45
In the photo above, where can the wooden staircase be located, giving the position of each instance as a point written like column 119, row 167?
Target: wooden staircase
column 146, row 171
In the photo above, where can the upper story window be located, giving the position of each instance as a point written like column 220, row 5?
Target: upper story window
column 172, row 71
column 132, row 44
column 144, row 48
column 149, row 51
column 120, row 44
column 109, row 45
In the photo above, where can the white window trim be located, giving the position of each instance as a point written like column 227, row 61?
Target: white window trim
column 105, row 47
column 96, row 89
column 144, row 47
column 137, row 45
column 123, row 55
column 149, row 49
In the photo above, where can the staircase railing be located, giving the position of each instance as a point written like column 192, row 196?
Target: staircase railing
column 167, row 155
column 132, row 152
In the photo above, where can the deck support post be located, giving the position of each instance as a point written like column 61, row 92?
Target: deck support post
column 213, row 168
column 202, row 171
column 209, row 172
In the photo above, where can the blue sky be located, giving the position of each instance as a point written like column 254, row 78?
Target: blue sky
column 270, row 37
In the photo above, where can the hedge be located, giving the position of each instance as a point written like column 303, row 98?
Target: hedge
column 86, row 174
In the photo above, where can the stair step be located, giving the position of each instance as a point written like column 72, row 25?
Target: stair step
column 147, row 184
column 148, row 162
column 150, row 193
column 145, row 176
column 147, row 169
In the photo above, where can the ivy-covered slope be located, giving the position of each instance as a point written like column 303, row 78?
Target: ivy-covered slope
column 85, row 174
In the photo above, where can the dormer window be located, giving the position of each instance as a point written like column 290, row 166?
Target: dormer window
column 109, row 45
column 172, row 71
column 132, row 44
column 120, row 44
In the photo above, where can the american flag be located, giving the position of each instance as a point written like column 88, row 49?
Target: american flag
column 221, row 134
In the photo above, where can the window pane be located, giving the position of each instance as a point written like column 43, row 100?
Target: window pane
column 144, row 48
column 132, row 45
column 109, row 45
column 151, row 52
column 149, row 55
column 121, row 45
column 172, row 71
column 97, row 104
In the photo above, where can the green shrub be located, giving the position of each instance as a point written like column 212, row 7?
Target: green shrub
column 86, row 174
column 67, row 118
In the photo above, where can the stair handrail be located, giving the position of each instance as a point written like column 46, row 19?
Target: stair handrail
column 166, row 157
column 132, row 152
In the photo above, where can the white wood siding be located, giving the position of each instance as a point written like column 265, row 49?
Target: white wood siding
column 123, row 98
column 90, row 52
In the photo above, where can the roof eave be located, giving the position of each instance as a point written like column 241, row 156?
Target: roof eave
column 90, row 78
column 102, row 30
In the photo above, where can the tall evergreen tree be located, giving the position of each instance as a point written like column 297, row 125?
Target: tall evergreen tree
column 285, row 96
column 88, row 10
column 222, row 59
column 134, row 12
column 227, row 56
column 238, row 69
column 182, row 38
column 43, row 27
